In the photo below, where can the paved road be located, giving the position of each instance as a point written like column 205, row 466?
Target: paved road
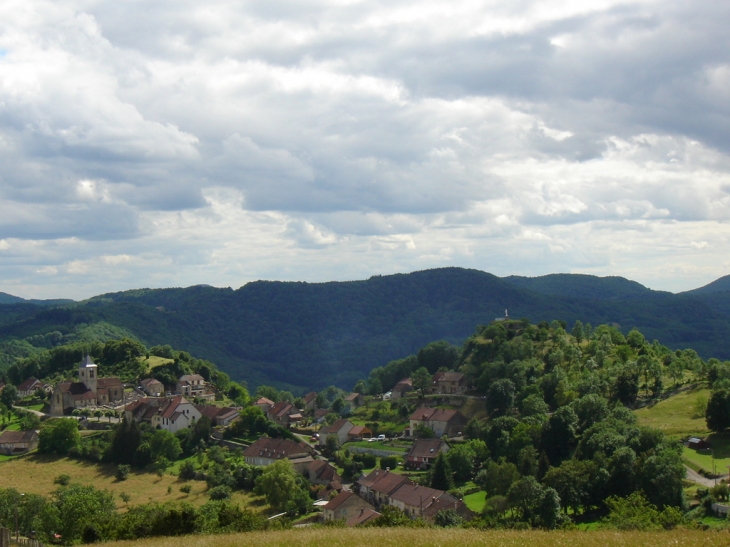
column 694, row 476
column 36, row 412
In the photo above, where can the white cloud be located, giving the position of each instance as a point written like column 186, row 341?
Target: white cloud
column 332, row 139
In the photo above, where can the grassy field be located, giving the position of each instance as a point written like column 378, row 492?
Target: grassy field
column 476, row 501
column 676, row 416
column 719, row 455
column 35, row 474
column 397, row 537
column 155, row 361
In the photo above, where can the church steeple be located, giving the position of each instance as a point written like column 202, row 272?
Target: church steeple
column 88, row 373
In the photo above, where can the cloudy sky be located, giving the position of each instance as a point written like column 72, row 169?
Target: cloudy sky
column 177, row 142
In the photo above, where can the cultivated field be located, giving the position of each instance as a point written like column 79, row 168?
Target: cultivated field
column 35, row 474
column 399, row 537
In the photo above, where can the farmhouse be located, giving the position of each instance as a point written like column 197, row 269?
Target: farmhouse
column 310, row 401
column 344, row 506
column 424, row 452
column 401, row 389
column 90, row 390
column 264, row 404
column 440, row 420
column 220, row 416
column 193, row 385
column 452, row 383
column 175, row 413
column 283, row 413
column 377, row 486
column 152, row 387
column 13, row 443
column 353, row 401
column 321, row 472
column 340, row 429
column 30, row 386
column 266, row 451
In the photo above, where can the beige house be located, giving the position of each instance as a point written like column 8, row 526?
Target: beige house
column 353, row 401
column 423, row 453
column 220, row 416
column 376, row 487
column 152, row 387
column 266, row 451
column 310, row 401
column 440, row 420
column 340, row 429
column 13, row 443
column 401, row 389
column 451, row 383
column 344, row 506
column 321, row 472
column 30, row 386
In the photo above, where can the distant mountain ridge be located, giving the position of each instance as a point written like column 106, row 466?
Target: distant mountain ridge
column 309, row 335
column 6, row 298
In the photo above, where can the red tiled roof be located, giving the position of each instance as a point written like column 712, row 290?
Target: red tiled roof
column 108, row 382
column 359, row 430
column 28, row 384
column 280, row 409
column 382, row 481
column 14, row 437
column 425, row 414
column 276, row 449
column 361, row 517
column 415, row 495
column 338, row 500
column 425, row 448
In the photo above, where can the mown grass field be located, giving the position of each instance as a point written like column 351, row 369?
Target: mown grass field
column 676, row 415
column 719, row 456
column 34, row 474
column 476, row 501
column 399, row 537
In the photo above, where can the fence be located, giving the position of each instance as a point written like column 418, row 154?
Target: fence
column 7, row 539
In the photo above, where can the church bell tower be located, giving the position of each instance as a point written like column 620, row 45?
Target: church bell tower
column 88, row 373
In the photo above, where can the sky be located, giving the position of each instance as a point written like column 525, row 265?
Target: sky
column 177, row 142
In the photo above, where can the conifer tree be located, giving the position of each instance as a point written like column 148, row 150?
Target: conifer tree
column 441, row 476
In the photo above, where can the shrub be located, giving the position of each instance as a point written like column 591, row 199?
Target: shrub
column 187, row 470
column 123, row 472
column 220, row 493
column 389, row 462
column 63, row 480
column 186, row 488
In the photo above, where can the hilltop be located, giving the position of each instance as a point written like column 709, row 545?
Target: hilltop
column 308, row 335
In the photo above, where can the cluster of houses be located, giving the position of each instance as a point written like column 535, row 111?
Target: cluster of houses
column 442, row 383
column 370, row 492
column 176, row 412
column 286, row 414
column 385, row 488
column 91, row 391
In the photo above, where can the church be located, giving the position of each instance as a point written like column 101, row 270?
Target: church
column 90, row 390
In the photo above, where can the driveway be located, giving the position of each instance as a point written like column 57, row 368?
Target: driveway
column 694, row 476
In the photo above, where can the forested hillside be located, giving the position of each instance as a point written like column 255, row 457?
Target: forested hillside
column 310, row 335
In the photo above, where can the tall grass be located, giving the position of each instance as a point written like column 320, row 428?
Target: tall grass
column 402, row 537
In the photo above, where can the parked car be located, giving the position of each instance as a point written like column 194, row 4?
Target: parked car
column 381, row 437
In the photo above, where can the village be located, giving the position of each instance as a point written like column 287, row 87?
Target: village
column 391, row 465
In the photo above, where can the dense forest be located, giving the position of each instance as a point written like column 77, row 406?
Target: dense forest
column 299, row 336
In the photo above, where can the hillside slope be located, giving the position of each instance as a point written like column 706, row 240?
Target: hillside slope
column 311, row 335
